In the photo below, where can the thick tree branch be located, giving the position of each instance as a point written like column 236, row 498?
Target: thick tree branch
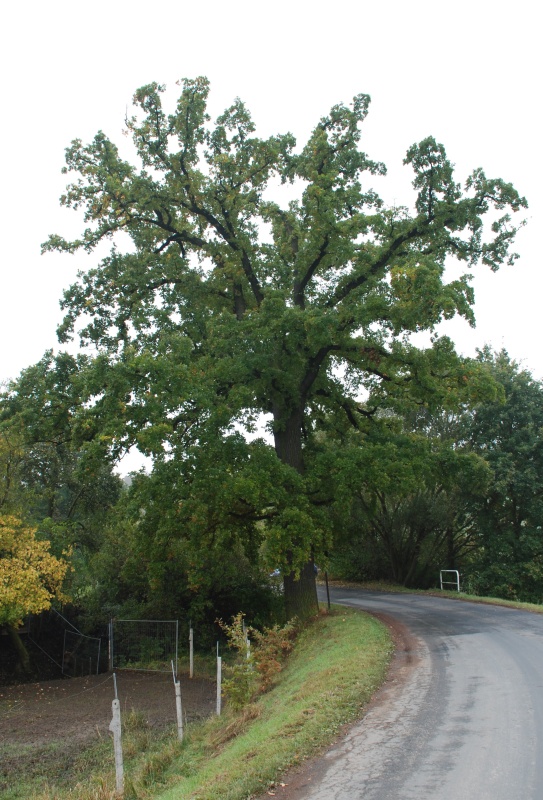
column 313, row 369
column 299, row 286
column 391, row 250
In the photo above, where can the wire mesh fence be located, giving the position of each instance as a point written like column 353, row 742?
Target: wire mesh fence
column 80, row 654
column 143, row 644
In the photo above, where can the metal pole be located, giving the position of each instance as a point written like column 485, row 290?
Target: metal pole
column 176, row 643
column 110, row 645
column 191, row 653
column 327, row 589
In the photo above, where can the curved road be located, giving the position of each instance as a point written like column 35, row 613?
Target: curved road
column 462, row 719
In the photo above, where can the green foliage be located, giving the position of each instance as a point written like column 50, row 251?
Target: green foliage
column 52, row 480
column 57, row 479
column 408, row 512
column 508, row 435
column 11, row 457
column 224, row 304
column 457, row 490
column 151, row 566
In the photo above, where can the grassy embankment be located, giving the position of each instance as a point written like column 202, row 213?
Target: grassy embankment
column 337, row 664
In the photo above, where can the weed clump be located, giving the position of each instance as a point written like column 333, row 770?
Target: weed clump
column 260, row 657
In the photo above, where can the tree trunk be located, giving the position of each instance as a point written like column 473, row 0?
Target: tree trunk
column 451, row 549
column 287, row 436
column 300, row 593
column 20, row 649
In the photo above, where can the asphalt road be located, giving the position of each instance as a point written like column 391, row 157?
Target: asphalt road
column 461, row 717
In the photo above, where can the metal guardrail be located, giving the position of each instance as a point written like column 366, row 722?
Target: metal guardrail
column 455, row 583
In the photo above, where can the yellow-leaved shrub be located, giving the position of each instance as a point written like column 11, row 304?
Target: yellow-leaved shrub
column 30, row 576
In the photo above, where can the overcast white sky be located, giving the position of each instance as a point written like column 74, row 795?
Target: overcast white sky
column 468, row 73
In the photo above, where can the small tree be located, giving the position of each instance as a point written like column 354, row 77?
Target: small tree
column 30, row 578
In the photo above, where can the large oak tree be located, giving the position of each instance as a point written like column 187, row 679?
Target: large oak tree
column 219, row 302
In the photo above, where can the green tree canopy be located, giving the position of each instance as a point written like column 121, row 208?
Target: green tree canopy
column 508, row 434
column 219, row 302
column 409, row 511
column 45, row 478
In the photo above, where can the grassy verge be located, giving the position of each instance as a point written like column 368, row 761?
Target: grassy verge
column 381, row 586
column 495, row 601
column 336, row 666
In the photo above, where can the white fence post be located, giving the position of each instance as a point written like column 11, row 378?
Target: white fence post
column 178, row 706
column 115, row 728
column 219, row 682
column 179, row 710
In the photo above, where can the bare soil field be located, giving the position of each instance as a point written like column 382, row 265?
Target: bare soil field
column 72, row 712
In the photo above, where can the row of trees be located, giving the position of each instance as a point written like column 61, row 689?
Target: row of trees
column 221, row 308
column 472, row 498
column 411, row 495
